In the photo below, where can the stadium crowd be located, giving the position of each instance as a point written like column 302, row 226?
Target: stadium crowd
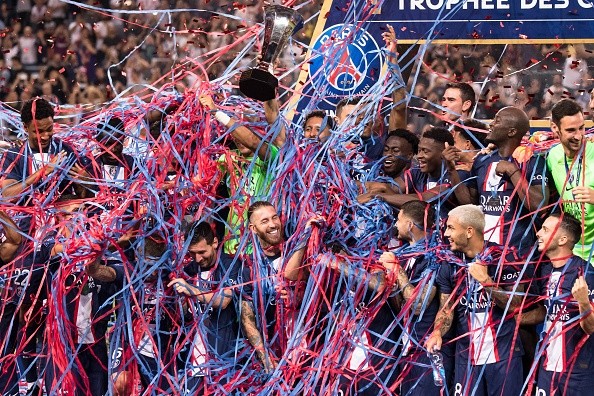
column 236, row 253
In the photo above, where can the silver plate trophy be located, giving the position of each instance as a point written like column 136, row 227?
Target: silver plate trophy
column 280, row 23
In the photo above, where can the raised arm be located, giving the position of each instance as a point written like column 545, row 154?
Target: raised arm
column 272, row 113
column 294, row 269
column 241, row 133
column 581, row 294
column 398, row 113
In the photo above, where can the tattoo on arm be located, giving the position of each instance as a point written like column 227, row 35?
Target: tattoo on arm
column 248, row 322
column 444, row 318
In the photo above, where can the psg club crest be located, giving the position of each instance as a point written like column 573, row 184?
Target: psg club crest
column 346, row 61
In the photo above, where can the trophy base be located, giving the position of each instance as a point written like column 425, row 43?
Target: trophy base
column 258, row 84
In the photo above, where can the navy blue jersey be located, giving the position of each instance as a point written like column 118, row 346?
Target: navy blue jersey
column 421, row 270
column 18, row 164
column 158, row 311
column 486, row 332
column 258, row 282
column 465, row 178
column 567, row 347
column 418, row 182
column 377, row 346
column 32, row 270
column 116, row 178
column 508, row 221
column 87, row 299
column 222, row 325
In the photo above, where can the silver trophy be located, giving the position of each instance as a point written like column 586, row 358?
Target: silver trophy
column 280, row 23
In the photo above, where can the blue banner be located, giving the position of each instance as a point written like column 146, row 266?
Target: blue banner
column 346, row 57
column 479, row 19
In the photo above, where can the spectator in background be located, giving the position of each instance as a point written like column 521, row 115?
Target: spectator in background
column 28, row 47
column 39, row 12
column 554, row 93
column 23, row 10
column 575, row 72
column 57, row 11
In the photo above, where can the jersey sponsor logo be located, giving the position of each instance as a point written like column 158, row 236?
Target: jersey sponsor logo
column 476, row 302
column 513, row 276
column 354, row 71
column 496, row 203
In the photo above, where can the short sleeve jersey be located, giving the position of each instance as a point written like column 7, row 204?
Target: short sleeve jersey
column 567, row 347
column 421, row 270
column 18, row 164
column 486, row 332
column 568, row 173
column 258, row 280
column 508, row 221
column 222, row 325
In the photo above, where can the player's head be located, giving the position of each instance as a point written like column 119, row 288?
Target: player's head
column 465, row 225
column 265, row 222
column 414, row 218
column 318, row 125
column 67, row 204
column 110, row 136
column 154, row 248
column 458, row 101
column 431, row 147
column 346, row 107
column 203, row 244
column 37, row 116
column 567, row 121
column 399, row 149
column 354, row 111
column 559, row 234
column 509, row 125
column 467, row 138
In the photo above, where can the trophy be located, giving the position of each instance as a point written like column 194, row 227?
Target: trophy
column 280, row 23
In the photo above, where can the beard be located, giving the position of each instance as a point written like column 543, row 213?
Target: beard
column 272, row 240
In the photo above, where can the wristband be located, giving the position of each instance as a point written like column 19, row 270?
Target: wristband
column 222, row 117
column 513, row 173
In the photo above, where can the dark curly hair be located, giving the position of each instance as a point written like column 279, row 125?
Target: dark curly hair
column 38, row 107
